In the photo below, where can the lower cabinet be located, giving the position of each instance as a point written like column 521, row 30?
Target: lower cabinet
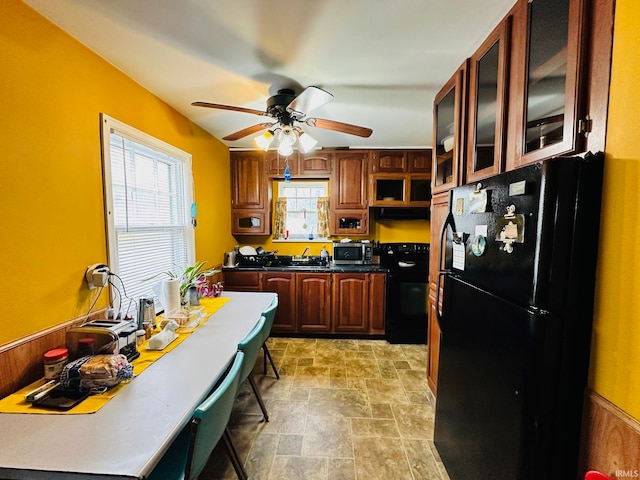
column 237, row 281
column 314, row 302
column 284, row 284
column 358, row 303
column 350, row 302
column 319, row 303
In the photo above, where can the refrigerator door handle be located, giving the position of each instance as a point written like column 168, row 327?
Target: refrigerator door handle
column 441, row 247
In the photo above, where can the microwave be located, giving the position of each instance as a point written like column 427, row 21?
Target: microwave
column 352, row 253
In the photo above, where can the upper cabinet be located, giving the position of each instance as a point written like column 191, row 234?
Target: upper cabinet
column 316, row 163
column 546, row 100
column 448, row 135
column 276, row 164
column 389, row 161
column 250, row 194
column 349, row 181
column 486, row 135
column 248, row 182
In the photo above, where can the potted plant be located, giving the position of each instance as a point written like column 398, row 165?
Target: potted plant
column 192, row 281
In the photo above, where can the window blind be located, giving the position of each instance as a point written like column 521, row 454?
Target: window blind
column 148, row 205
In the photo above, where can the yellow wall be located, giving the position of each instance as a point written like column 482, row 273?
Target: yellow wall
column 615, row 366
column 52, row 90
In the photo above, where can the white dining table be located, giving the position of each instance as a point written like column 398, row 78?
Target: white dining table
column 126, row 438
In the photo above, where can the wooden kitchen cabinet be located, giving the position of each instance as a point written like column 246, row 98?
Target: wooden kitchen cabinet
column 433, row 341
column 488, row 75
column 358, row 302
column 547, row 90
column 408, row 190
column 349, row 181
column 389, row 161
column 248, row 182
column 314, row 306
column 400, row 161
column 420, row 161
column 276, row 163
column 241, row 281
column 316, row 164
column 349, row 222
column 350, row 300
column 284, row 284
column 449, row 120
column 250, row 194
column 439, row 212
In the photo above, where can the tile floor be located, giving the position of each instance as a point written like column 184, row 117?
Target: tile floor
column 342, row 410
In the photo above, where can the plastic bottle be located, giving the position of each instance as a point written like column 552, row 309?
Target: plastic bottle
column 324, row 255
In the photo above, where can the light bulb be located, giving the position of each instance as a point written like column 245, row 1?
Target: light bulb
column 285, row 149
column 264, row 140
column 287, row 136
column 306, row 142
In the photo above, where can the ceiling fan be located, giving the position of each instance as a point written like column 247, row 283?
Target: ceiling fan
column 287, row 109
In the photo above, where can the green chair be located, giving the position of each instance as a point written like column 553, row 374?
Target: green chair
column 189, row 453
column 250, row 346
column 269, row 314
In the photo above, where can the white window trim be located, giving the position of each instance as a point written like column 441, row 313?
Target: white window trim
column 280, row 184
column 110, row 124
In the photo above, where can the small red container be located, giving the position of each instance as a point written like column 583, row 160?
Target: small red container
column 54, row 362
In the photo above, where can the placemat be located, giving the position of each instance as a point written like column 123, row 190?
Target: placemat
column 15, row 403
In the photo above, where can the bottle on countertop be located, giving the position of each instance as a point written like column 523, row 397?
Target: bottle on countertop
column 324, row 255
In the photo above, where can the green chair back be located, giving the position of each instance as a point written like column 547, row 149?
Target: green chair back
column 210, row 419
column 250, row 345
column 269, row 315
column 189, row 452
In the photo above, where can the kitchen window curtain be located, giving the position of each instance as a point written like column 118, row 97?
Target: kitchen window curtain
column 148, row 200
column 279, row 227
column 323, row 217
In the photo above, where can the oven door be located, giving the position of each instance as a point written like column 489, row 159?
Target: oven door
column 407, row 305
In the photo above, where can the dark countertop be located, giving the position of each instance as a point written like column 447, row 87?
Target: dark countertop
column 371, row 268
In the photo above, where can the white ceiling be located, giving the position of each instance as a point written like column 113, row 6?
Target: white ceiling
column 383, row 60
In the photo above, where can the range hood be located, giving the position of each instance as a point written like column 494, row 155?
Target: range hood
column 400, row 213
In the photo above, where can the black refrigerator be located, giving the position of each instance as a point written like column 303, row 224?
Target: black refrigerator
column 520, row 253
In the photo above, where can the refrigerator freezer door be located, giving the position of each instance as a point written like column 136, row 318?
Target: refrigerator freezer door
column 490, row 354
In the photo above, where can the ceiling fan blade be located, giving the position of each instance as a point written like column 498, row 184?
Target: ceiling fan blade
column 247, row 131
column 309, row 99
column 228, row 107
column 339, row 127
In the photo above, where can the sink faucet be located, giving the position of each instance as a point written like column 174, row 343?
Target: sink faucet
column 305, row 251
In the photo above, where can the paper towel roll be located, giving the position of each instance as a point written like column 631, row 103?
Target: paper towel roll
column 171, row 294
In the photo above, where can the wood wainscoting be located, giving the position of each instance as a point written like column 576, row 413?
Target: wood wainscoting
column 610, row 439
column 21, row 361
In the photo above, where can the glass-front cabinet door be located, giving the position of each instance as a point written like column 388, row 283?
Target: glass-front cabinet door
column 448, row 141
column 548, row 118
column 487, row 104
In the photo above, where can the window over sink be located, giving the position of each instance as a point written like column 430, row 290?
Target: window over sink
column 301, row 211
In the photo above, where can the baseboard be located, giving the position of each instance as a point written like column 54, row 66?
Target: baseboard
column 610, row 439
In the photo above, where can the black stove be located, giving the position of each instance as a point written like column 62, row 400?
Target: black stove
column 407, row 291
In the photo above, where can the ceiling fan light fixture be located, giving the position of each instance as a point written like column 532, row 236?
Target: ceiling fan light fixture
column 285, row 149
column 306, row 142
column 287, row 136
column 264, row 140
